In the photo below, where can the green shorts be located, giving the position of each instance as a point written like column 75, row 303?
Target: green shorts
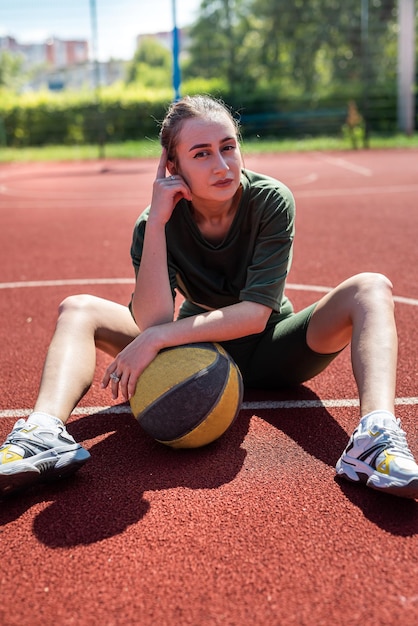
column 279, row 357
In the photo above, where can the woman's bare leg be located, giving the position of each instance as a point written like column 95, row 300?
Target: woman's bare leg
column 361, row 311
column 84, row 323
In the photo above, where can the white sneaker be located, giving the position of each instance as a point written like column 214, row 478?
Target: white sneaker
column 36, row 452
column 379, row 457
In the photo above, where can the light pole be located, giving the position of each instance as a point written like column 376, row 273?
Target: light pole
column 406, row 66
column 100, row 125
column 176, row 52
column 366, row 67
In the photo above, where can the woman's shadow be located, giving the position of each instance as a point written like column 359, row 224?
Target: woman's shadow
column 317, row 432
column 109, row 493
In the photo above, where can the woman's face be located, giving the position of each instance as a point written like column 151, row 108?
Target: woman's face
column 209, row 158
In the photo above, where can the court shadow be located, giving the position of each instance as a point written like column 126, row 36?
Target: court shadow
column 397, row 516
column 305, row 420
column 314, row 429
column 109, row 493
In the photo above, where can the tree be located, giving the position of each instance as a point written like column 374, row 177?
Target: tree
column 151, row 63
column 10, row 70
column 217, row 48
column 304, row 45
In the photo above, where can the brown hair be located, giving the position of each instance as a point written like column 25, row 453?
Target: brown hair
column 187, row 108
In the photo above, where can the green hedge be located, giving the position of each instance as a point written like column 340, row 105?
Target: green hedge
column 123, row 114
column 43, row 118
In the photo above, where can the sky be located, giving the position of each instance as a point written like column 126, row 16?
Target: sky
column 118, row 21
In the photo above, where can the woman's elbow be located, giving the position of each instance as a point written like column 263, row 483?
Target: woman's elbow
column 260, row 317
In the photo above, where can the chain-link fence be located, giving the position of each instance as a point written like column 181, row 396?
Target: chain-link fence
column 311, row 67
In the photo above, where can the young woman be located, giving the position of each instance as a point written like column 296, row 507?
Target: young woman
column 222, row 236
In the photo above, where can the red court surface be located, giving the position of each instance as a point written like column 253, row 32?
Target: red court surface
column 253, row 530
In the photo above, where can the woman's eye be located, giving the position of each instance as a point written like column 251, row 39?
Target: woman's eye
column 205, row 153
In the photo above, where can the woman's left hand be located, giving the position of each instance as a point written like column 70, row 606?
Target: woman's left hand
column 126, row 368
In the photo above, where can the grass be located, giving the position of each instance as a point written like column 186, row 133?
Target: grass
column 151, row 149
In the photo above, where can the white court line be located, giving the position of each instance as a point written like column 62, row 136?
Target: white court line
column 267, row 404
column 358, row 191
column 25, row 284
column 322, row 289
column 303, row 193
column 246, row 406
column 63, row 283
column 347, row 165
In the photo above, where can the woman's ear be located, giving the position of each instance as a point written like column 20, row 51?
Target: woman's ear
column 171, row 167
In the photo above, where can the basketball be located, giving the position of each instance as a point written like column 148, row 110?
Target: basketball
column 189, row 395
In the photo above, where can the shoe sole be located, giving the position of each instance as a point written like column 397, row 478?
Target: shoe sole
column 43, row 468
column 358, row 472
column 12, row 482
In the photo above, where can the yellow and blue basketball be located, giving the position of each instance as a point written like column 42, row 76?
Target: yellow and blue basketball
column 189, row 395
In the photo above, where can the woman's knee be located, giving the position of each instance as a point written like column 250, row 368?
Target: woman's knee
column 337, row 313
column 77, row 305
column 109, row 323
column 82, row 314
column 373, row 288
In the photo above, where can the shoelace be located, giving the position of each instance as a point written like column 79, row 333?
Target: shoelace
column 397, row 442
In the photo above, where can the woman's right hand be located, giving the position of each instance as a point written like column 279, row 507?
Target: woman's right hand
column 167, row 191
column 123, row 372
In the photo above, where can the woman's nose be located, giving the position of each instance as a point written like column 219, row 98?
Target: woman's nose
column 220, row 165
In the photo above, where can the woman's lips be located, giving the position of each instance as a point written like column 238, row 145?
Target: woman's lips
column 224, row 183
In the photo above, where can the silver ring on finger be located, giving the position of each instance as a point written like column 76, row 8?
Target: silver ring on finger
column 115, row 377
column 172, row 177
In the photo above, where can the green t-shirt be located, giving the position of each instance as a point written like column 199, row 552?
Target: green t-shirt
column 250, row 264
